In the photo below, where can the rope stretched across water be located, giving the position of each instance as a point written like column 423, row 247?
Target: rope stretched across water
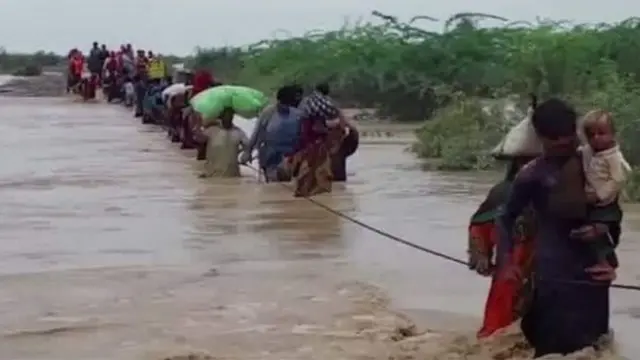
column 425, row 249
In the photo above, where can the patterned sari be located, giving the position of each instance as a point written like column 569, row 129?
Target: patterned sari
column 311, row 165
column 311, row 162
column 507, row 299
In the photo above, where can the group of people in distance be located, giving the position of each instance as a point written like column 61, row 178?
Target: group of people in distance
column 117, row 72
column 304, row 139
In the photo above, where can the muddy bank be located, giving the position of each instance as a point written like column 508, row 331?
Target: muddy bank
column 48, row 84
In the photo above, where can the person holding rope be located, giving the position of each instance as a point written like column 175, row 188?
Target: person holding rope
column 507, row 298
column 569, row 307
column 202, row 80
column 276, row 134
column 349, row 144
column 224, row 143
column 321, row 136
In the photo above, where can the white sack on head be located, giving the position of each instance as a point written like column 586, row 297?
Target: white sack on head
column 174, row 90
column 521, row 140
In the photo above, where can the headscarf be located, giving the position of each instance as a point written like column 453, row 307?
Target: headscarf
column 202, row 80
column 319, row 107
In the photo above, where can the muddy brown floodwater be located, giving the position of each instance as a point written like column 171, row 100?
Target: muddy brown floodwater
column 112, row 248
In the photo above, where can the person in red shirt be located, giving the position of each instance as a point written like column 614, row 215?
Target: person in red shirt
column 110, row 77
column 89, row 86
column 71, row 80
column 76, row 66
column 202, row 80
column 111, row 66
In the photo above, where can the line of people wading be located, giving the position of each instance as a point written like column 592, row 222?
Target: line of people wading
column 548, row 244
column 302, row 138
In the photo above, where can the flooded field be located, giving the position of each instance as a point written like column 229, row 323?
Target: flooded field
column 112, row 248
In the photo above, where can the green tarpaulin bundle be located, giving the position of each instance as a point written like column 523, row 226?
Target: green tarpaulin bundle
column 243, row 100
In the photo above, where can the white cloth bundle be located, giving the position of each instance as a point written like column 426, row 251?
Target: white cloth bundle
column 173, row 90
column 521, row 140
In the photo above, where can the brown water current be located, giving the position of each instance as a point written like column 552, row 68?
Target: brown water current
column 112, row 248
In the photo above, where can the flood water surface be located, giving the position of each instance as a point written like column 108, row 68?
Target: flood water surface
column 112, row 248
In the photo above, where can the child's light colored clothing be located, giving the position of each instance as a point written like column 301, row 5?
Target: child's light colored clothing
column 223, row 148
column 129, row 93
column 605, row 172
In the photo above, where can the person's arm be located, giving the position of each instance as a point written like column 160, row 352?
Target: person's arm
column 616, row 174
column 305, row 135
column 346, row 122
column 243, row 140
column 520, row 195
column 259, row 129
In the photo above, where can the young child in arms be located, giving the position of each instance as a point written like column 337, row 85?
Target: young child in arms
column 606, row 172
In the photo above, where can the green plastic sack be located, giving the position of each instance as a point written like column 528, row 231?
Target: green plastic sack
column 243, row 100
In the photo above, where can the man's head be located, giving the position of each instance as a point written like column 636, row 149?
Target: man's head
column 554, row 121
column 95, row 44
column 323, row 88
column 287, row 96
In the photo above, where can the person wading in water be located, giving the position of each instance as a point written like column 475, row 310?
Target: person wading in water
column 276, row 134
column 349, row 144
column 507, row 298
column 321, row 136
column 569, row 307
column 94, row 63
column 202, row 80
column 224, row 144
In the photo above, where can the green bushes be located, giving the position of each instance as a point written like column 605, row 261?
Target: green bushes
column 29, row 64
column 28, row 70
column 461, row 135
column 411, row 74
column 408, row 73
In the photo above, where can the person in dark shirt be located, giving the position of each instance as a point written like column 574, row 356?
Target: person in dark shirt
column 93, row 63
column 569, row 307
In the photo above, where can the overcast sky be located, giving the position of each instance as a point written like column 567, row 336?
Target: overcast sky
column 178, row 26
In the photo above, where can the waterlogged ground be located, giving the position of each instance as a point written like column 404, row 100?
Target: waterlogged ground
column 112, row 248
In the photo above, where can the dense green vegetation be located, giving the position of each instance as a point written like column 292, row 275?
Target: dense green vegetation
column 408, row 73
column 28, row 64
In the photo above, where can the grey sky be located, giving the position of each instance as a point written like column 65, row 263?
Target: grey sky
column 160, row 25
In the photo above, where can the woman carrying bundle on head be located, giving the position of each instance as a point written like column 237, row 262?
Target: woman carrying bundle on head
column 507, row 298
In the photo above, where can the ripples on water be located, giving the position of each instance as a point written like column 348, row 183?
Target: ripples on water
column 112, row 248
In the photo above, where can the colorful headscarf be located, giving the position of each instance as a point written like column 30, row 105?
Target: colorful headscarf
column 319, row 106
column 202, row 80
